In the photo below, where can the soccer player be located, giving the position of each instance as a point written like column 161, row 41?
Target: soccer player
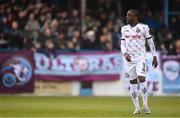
column 133, row 40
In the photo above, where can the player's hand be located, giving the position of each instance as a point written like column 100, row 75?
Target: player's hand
column 154, row 62
column 127, row 57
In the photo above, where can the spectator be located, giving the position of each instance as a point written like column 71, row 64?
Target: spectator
column 165, row 37
column 70, row 45
column 33, row 27
column 37, row 47
column 50, row 50
column 4, row 29
column 46, row 35
column 15, row 37
column 89, row 41
column 178, row 46
column 76, row 39
column 22, row 17
column 74, row 19
column 172, row 50
column 61, row 41
column 163, row 49
column 54, row 27
column 106, row 39
column 175, row 26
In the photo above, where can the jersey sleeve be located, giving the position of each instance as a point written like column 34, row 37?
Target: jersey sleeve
column 122, row 34
column 150, row 41
column 147, row 32
column 152, row 46
column 123, row 43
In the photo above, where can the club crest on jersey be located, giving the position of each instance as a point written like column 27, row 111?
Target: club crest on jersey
column 138, row 30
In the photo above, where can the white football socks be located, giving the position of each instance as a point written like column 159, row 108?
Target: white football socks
column 134, row 95
column 144, row 92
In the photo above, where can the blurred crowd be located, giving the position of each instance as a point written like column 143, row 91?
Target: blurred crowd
column 36, row 25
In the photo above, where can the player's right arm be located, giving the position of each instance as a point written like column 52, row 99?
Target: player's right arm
column 123, row 46
column 151, row 45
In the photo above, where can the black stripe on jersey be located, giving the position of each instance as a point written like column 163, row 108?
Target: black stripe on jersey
column 149, row 38
column 122, row 39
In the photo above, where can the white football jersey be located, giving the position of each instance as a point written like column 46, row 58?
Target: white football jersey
column 135, row 40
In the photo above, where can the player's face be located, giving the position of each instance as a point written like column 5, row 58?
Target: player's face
column 130, row 17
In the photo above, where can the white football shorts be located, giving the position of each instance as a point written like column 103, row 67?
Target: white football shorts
column 135, row 69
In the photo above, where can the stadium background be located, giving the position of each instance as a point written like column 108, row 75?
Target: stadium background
column 32, row 29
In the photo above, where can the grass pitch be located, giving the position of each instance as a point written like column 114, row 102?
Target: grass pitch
column 56, row 106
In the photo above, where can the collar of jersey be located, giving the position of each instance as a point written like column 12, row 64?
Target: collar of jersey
column 134, row 25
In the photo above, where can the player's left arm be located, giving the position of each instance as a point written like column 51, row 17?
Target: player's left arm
column 152, row 46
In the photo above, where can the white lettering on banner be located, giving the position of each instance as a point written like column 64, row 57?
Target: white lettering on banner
column 42, row 62
column 56, row 64
column 93, row 64
column 107, row 63
column 79, row 63
column 67, row 64
column 118, row 63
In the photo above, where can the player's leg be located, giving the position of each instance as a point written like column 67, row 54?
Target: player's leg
column 144, row 94
column 143, row 89
column 141, row 72
column 134, row 95
column 133, row 86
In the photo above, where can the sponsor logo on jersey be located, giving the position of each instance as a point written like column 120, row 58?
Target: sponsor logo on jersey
column 133, row 37
column 138, row 30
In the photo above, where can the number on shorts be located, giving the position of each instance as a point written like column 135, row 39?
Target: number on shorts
column 143, row 69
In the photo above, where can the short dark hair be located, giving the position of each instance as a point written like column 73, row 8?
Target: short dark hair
column 136, row 12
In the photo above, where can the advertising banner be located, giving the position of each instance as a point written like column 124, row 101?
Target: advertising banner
column 16, row 72
column 85, row 66
column 171, row 73
column 54, row 87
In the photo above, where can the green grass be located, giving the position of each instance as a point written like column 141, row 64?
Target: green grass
column 55, row 106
